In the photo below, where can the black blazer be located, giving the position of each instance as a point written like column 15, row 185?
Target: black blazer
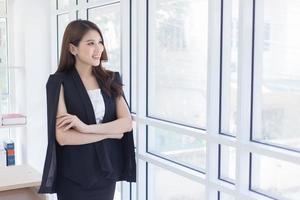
column 111, row 158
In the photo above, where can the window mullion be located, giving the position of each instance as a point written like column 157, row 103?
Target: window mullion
column 213, row 86
column 140, row 9
column 244, row 94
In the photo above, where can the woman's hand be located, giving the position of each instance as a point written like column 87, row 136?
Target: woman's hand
column 116, row 136
column 71, row 121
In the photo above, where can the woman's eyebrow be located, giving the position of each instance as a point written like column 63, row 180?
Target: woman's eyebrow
column 91, row 40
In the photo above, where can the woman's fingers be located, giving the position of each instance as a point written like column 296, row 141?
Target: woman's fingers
column 59, row 122
column 69, row 126
column 67, row 120
column 62, row 120
column 117, row 136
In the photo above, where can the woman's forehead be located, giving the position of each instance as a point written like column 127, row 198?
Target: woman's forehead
column 91, row 35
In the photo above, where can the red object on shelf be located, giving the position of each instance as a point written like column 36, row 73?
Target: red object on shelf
column 10, row 152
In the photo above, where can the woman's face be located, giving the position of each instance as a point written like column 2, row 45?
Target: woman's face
column 89, row 49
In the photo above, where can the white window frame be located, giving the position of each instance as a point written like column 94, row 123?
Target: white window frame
column 241, row 142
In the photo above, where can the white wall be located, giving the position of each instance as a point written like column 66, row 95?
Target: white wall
column 30, row 47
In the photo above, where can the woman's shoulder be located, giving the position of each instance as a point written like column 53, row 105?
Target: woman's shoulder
column 58, row 75
column 56, row 78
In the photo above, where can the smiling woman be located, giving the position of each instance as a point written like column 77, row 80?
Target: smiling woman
column 86, row 157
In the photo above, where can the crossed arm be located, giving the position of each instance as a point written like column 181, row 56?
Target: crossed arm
column 70, row 130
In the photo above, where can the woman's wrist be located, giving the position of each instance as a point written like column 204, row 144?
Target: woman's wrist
column 93, row 128
column 87, row 129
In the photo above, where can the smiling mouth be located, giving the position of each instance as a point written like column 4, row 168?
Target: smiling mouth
column 96, row 57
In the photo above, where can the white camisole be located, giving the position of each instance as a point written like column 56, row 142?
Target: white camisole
column 98, row 104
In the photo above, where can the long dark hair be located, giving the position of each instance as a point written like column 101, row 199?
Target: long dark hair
column 73, row 35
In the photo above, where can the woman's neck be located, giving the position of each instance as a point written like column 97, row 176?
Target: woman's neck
column 83, row 71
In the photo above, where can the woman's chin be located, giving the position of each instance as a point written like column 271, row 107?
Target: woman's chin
column 95, row 64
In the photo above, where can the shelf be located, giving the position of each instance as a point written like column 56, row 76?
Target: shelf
column 13, row 126
column 19, row 176
column 12, row 67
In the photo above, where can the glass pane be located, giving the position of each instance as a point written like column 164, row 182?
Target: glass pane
column 3, row 81
column 228, row 161
column 62, row 22
column 229, row 67
column 4, row 135
column 133, row 191
column 276, row 100
column 3, row 43
column 63, row 4
column 108, row 19
column 118, row 195
column 4, row 85
column 185, row 149
column 133, row 87
column 4, row 105
column 177, row 64
column 134, row 125
column 166, row 185
column 16, row 90
column 3, row 7
column 224, row 196
column 133, row 67
column 275, row 177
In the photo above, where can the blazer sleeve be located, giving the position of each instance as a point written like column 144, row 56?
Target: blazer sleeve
column 48, row 183
column 129, row 171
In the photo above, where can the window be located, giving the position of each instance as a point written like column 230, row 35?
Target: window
column 276, row 98
column 4, row 73
column 229, row 67
column 275, row 178
column 178, row 147
column 227, row 166
column 62, row 22
column 163, row 184
column 224, row 196
column 108, row 20
column 62, row 4
column 3, row 8
column 177, row 61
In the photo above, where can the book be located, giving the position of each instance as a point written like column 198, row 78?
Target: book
column 10, row 152
column 13, row 119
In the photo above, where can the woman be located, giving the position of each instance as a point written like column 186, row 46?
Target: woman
column 90, row 141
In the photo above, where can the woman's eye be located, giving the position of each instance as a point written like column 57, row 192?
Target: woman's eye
column 91, row 43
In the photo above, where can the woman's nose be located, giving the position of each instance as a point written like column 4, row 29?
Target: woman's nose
column 99, row 47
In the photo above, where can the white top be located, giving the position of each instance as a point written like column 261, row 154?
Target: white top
column 98, row 104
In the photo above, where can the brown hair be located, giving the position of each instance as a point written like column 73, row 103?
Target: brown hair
column 73, row 34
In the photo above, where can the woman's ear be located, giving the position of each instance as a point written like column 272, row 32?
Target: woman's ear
column 73, row 49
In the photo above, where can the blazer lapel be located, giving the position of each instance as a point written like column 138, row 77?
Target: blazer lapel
column 85, row 99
